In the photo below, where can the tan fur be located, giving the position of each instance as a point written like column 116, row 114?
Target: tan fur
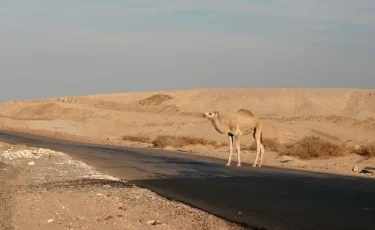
column 247, row 112
column 242, row 122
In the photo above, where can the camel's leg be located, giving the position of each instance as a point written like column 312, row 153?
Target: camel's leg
column 257, row 138
column 238, row 150
column 261, row 155
column 230, row 137
column 257, row 154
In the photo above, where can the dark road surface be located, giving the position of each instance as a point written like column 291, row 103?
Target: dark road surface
column 266, row 197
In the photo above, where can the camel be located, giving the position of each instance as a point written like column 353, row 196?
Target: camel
column 240, row 123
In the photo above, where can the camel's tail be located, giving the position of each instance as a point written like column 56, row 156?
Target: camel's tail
column 261, row 138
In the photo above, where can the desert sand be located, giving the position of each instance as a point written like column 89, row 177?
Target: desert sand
column 342, row 116
column 44, row 189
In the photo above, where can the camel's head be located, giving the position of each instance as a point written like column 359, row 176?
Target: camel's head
column 211, row 115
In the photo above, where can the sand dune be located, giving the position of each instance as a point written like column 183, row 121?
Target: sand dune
column 180, row 111
column 279, row 102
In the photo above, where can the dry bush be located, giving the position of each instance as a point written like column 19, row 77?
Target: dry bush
column 136, row 139
column 180, row 141
column 271, row 144
column 311, row 147
column 366, row 150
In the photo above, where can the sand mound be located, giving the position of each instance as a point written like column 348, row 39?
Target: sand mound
column 365, row 122
column 43, row 109
column 360, row 100
column 47, row 111
column 111, row 105
column 368, row 124
column 335, row 105
column 278, row 102
column 154, row 103
column 309, row 107
column 25, row 101
column 341, row 120
column 156, row 99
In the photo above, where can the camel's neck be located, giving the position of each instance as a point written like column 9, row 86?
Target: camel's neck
column 220, row 126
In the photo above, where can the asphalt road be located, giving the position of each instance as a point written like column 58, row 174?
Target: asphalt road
column 266, row 197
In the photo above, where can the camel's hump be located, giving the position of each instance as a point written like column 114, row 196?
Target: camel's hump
column 245, row 111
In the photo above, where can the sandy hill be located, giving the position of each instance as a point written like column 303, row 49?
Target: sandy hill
column 345, row 115
column 274, row 102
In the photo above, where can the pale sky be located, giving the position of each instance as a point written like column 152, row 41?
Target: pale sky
column 73, row 47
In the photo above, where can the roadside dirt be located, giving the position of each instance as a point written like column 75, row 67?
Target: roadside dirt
column 7, row 175
column 43, row 189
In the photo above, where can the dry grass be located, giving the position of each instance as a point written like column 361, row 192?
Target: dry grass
column 312, row 147
column 366, row 150
column 181, row 141
column 141, row 139
column 174, row 141
column 270, row 144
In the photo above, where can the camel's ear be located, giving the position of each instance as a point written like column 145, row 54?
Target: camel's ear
column 216, row 112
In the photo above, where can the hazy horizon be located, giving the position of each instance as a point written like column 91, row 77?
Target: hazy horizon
column 52, row 49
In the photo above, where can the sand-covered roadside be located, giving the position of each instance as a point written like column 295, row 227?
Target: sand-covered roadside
column 44, row 189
